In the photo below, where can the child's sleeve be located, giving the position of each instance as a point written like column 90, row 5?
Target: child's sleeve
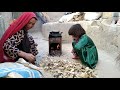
column 81, row 43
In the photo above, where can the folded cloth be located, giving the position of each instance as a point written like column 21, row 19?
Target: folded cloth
column 19, row 70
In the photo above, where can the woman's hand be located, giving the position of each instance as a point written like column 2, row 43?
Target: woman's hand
column 28, row 56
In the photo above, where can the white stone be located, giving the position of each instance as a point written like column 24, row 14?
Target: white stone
column 92, row 15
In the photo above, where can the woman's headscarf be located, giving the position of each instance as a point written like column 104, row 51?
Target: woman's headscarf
column 14, row 28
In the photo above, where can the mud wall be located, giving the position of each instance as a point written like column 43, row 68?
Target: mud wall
column 105, row 35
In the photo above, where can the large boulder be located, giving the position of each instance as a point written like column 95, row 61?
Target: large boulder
column 76, row 16
column 107, row 15
column 92, row 15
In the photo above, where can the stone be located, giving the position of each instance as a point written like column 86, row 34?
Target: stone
column 107, row 15
column 92, row 15
column 68, row 70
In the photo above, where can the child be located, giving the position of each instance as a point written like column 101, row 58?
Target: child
column 83, row 47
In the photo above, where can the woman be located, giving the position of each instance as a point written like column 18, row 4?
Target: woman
column 83, row 46
column 16, row 42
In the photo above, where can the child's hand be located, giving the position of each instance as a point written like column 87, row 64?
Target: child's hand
column 75, row 56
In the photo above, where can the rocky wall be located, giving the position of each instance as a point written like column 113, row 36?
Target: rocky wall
column 105, row 35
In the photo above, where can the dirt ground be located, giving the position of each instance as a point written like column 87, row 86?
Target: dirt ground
column 106, row 67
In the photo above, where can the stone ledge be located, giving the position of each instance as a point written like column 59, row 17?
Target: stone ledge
column 105, row 35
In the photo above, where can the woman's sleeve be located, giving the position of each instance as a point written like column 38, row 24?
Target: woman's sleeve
column 33, row 45
column 81, row 43
column 10, row 46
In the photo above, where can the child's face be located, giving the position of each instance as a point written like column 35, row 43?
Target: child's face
column 75, row 38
